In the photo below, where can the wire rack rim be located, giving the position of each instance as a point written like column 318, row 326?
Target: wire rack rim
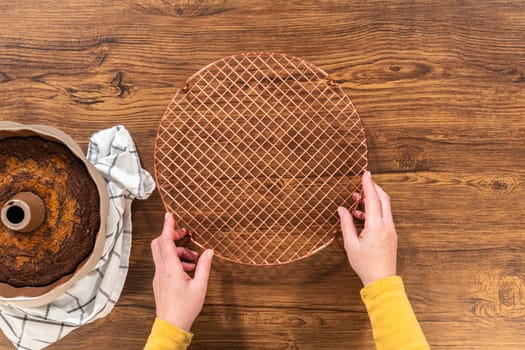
column 320, row 73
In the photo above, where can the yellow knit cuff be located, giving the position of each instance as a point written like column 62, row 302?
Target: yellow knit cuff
column 164, row 335
column 380, row 287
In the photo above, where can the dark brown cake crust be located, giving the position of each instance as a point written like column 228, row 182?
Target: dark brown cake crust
column 67, row 236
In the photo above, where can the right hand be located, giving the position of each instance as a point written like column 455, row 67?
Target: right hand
column 373, row 252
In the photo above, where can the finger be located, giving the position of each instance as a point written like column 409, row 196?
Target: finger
column 169, row 231
column 202, row 271
column 385, row 205
column 350, row 236
column 168, row 250
column 356, row 196
column 179, row 233
column 186, row 266
column 372, row 203
column 186, row 254
column 169, row 224
column 358, row 214
column 169, row 228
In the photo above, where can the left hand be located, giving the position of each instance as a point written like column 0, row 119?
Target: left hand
column 178, row 297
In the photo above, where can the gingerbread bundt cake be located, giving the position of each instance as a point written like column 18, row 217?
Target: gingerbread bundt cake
column 72, row 218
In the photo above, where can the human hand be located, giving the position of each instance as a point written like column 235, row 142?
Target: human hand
column 372, row 253
column 178, row 297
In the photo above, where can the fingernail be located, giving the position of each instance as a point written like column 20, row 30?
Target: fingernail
column 166, row 216
column 369, row 173
column 209, row 253
column 194, row 253
column 342, row 212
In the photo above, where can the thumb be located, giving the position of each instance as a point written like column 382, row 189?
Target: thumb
column 169, row 225
column 350, row 236
column 202, row 271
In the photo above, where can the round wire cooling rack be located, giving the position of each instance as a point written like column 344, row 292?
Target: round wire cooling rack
column 254, row 155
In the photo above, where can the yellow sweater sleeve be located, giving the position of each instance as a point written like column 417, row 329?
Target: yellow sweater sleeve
column 394, row 324
column 165, row 336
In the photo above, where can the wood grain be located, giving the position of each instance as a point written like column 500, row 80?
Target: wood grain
column 440, row 87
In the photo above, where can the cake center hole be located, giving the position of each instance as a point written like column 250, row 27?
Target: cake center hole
column 15, row 214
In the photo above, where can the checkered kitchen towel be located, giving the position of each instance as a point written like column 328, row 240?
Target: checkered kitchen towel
column 113, row 153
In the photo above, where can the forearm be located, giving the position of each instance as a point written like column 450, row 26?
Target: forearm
column 165, row 336
column 394, row 324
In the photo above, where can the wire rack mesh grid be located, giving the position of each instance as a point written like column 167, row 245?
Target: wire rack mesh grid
column 254, row 155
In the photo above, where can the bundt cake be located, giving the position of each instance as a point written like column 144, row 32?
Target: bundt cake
column 72, row 218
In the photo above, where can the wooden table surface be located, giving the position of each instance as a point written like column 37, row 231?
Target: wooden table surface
column 440, row 87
